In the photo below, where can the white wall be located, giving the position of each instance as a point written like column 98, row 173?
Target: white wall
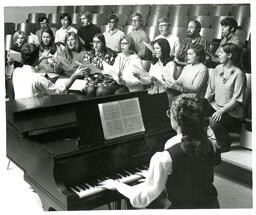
column 20, row 14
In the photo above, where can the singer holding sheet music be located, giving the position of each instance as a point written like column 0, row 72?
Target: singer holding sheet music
column 184, row 169
column 126, row 65
column 99, row 83
column 162, row 66
column 194, row 76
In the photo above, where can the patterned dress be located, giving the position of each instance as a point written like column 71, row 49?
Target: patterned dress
column 99, row 79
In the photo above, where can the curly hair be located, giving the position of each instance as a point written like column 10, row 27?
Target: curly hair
column 187, row 109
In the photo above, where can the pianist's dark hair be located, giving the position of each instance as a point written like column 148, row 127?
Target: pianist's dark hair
column 187, row 110
column 29, row 53
column 51, row 47
column 165, row 48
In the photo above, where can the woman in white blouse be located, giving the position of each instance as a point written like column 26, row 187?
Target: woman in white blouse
column 163, row 67
column 126, row 64
column 194, row 76
column 184, row 169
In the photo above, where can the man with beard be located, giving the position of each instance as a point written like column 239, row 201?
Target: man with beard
column 88, row 30
column 193, row 37
column 44, row 24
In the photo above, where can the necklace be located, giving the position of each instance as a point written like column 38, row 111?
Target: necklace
column 224, row 79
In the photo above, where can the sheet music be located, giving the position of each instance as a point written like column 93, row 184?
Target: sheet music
column 121, row 118
column 78, row 84
column 148, row 46
column 109, row 70
column 16, row 56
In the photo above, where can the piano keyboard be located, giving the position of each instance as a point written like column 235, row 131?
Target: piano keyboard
column 88, row 189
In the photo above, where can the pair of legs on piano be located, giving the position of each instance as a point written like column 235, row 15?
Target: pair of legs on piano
column 182, row 175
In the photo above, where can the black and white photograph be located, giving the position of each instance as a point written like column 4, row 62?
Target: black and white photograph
column 112, row 107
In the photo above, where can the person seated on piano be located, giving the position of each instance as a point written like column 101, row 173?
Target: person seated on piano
column 184, row 169
column 28, row 83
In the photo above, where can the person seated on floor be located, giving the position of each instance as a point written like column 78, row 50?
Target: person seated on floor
column 225, row 95
column 181, row 176
column 100, row 84
column 28, row 83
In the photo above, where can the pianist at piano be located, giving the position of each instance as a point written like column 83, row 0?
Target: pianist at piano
column 28, row 83
column 59, row 142
column 185, row 168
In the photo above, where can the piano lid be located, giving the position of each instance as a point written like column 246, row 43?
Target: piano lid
column 37, row 115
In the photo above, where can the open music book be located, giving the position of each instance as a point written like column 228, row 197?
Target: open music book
column 78, row 85
column 120, row 118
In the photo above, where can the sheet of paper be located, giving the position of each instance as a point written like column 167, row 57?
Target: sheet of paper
column 148, row 46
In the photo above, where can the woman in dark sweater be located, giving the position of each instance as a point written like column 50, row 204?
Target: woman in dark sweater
column 184, row 170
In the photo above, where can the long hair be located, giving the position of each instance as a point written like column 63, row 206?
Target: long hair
column 187, row 110
column 131, row 45
column 233, row 49
column 165, row 48
column 51, row 47
column 101, row 37
column 78, row 46
column 18, row 33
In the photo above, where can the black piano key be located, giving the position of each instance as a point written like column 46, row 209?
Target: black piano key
column 82, row 186
column 76, row 189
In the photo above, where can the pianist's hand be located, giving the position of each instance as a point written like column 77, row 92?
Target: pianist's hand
column 109, row 184
column 144, row 174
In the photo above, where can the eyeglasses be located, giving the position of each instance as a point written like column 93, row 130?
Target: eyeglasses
column 136, row 20
column 112, row 22
column 96, row 42
column 163, row 25
column 124, row 43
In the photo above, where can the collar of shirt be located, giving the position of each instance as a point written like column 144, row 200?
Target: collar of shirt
column 112, row 32
column 229, row 37
column 66, row 29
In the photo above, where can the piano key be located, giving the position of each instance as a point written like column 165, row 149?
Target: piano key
column 93, row 187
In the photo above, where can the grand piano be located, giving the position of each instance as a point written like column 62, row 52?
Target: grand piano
column 58, row 141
